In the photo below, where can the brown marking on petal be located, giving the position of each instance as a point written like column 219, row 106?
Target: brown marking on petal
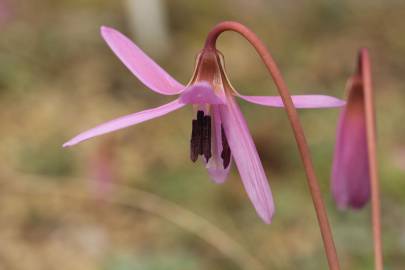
column 226, row 151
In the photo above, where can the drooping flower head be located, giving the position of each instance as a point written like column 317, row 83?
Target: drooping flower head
column 219, row 130
column 350, row 182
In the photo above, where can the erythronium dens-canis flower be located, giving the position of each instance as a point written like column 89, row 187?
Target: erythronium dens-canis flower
column 219, row 130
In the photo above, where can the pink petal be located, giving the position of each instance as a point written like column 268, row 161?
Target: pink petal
column 350, row 172
column 215, row 166
column 200, row 93
column 126, row 121
column 247, row 159
column 300, row 101
column 143, row 67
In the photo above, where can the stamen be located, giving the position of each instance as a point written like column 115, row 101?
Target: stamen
column 226, row 151
column 206, row 138
column 200, row 127
column 200, row 143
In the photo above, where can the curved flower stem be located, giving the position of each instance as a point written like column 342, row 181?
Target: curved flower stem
column 261, row 49
column 364, row 69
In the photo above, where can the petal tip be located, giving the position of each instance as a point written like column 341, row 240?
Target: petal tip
column 68, row 144
column 105, row 29
column 267, row 217
column 355, row 205
column 340, row 102
column 323, row 101
column 299, row 101
column 108, row 32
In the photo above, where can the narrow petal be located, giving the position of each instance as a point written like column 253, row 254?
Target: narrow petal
column 350, row 171
column 300, row 101
column 126, row 121
column 143, row 67
column 200, row 93
column 215, row 166
column 247, row 159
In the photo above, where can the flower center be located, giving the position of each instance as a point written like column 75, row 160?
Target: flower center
column 201, row 137
column 200, row 143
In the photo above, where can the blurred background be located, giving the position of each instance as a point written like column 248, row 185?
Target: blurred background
column 133, row 199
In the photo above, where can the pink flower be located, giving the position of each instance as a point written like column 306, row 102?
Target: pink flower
column 219, row 131
column 350, row 172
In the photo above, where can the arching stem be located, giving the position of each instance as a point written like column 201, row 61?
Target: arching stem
column 261, row 49
column 364, row 68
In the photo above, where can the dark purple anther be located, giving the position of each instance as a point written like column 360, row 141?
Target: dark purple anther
column 226, row 151
column 206, row 138
column 200, row 143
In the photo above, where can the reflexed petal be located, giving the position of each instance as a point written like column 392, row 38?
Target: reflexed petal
column 215, row 166
column 200, row 93
column 350, row 172
column 300, row 101
column 143, row 67
column 247, row 159
column 126, row 121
